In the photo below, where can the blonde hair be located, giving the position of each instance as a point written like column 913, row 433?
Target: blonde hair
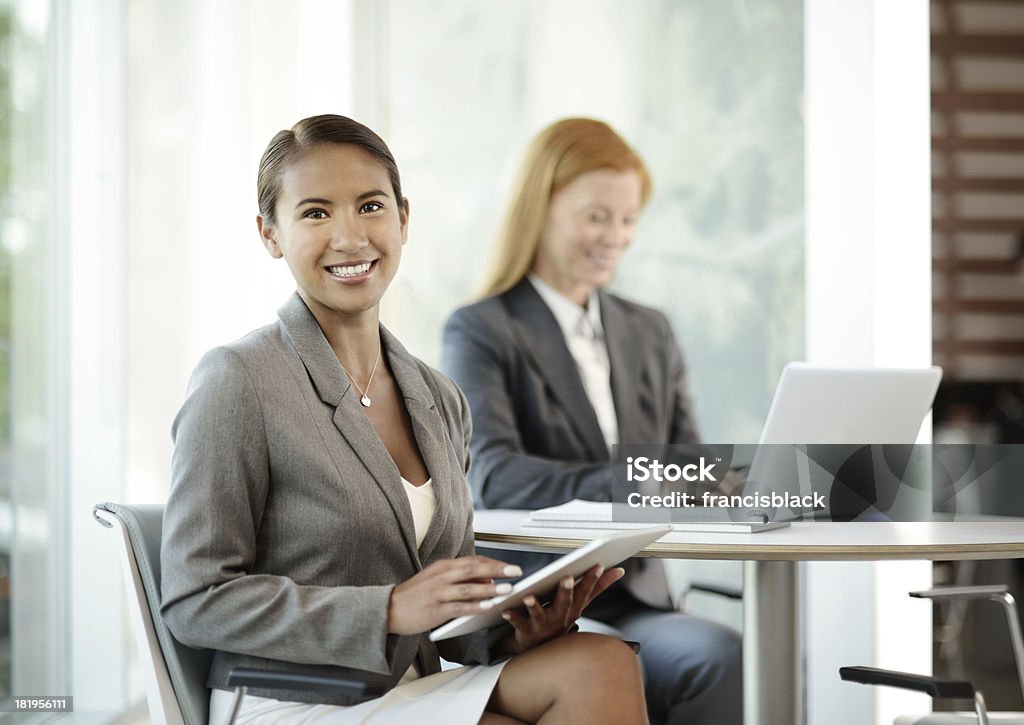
column 555, row 157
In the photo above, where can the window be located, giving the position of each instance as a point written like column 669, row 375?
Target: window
column 710, row 94
column 32, row 521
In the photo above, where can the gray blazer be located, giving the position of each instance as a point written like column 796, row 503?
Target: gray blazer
column 287, row 525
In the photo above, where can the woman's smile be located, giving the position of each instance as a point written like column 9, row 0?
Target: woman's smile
column 604, row 261
column 352, row 272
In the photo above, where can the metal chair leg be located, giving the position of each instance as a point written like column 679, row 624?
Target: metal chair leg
column 979, row 709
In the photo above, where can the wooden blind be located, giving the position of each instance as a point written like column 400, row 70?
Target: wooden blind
column 978, row 188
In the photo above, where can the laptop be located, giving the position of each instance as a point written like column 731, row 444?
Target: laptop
column 864, row 410
column 818, row 404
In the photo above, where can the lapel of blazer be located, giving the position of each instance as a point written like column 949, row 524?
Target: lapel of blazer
column 539, row 335
column 624, row 350
column 333, row 387
column 431, row 437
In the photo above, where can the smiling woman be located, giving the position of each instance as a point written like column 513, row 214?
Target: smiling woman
column 310, row 529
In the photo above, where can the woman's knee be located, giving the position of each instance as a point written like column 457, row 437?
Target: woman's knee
column 579, row 672
column 598, row 655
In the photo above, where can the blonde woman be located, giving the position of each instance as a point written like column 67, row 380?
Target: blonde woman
column 556, row 371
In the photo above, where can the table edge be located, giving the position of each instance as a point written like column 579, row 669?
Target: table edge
column 758, row 552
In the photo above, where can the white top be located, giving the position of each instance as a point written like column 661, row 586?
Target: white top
column 423, row 503
column 584, row 336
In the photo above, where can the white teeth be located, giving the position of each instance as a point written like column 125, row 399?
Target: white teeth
column 350, row 270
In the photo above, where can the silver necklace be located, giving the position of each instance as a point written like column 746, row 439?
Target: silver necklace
column 365, row 399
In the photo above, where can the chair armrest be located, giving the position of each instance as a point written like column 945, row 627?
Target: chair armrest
column 939, row 689
column 948, row 594
column 998, row 593
column 270, row 680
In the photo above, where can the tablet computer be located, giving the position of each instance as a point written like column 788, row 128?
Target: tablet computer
column 607, row 551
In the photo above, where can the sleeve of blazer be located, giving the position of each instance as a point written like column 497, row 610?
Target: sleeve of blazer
column 220, row 478
column 504, row 474
column 682, row 422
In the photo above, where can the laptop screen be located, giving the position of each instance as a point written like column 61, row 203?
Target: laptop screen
column 828, row 429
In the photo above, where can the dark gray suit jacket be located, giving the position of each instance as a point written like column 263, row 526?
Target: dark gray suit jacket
column 536, row 440
column 287, row 525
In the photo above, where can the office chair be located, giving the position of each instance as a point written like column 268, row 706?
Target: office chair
column 952, row 689
column 175, row 675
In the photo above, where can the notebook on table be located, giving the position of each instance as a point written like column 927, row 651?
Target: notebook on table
column 578, row 514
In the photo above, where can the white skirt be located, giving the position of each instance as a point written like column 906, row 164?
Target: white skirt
column 454, row 696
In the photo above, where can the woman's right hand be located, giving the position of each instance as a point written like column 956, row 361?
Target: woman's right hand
column 447, row 589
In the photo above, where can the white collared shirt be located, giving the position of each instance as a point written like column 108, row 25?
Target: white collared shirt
column 584, row 336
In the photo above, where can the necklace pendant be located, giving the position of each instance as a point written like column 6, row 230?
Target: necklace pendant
column 365, row 401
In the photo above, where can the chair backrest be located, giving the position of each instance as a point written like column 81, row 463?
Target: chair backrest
column 175, row 675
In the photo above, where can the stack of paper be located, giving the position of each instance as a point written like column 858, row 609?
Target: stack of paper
column 577, row 514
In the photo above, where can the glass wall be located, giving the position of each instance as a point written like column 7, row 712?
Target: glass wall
column 709, row 93
column 33, row 593
column 6, row 52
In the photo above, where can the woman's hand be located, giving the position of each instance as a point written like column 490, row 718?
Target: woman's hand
column 539, row 623
column 445, row 590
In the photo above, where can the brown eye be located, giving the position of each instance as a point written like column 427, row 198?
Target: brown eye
column 314, row 214
column 370, row 207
